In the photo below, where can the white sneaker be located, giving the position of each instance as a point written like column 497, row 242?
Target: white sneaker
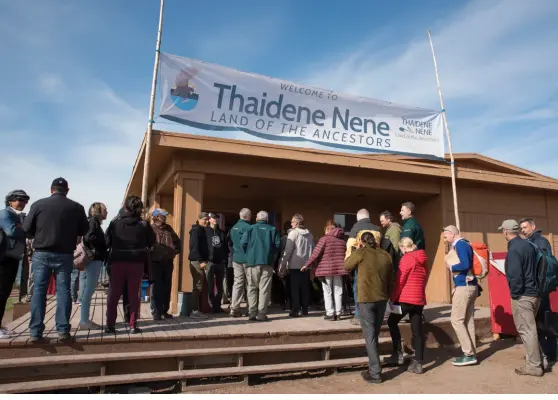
column 5, row 334
column 198, row 315
column 89, row 326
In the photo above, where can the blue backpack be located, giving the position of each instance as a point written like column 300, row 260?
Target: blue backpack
column 547, row 271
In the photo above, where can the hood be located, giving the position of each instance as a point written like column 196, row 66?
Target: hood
column 196, row 227
column 419, row 255
column 302, row 231
column 337, row 232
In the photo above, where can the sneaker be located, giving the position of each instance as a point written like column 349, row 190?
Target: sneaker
column 415, row 367
column 464, row 360
column 109, row 330
column 157, row 317
column 262, row 318
column 168, row 316
column 37, row 340
column 529, row 371
column 135, row 330
column 198, row 315
column 236, row 314
column 252, row 318
column 89, row 326
column 395, row 359
column 369, row 378
column 329, row 317
column 64, row 337
column 5, row 334
column 293, row 314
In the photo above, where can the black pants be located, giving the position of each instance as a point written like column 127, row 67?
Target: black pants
column 547, row 340
column 415, row 314
column 229, row 278
column 300, row 291
column 161, row 273
column 8, row 273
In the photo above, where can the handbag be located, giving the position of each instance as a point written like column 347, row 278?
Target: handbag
column 82, row 256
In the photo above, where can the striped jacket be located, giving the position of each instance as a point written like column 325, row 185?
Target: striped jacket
column 410, row 280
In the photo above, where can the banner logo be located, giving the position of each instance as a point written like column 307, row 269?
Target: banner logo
column 183, row 93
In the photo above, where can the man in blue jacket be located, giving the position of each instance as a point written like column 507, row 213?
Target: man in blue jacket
column 11, row 220
column 521, row 273
column 464, row 296
column 547, row 340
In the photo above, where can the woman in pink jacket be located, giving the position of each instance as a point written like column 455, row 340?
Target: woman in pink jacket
column 329, row 256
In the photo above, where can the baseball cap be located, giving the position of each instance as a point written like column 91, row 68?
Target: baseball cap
column 510, row 225
column 60, row 182
column 203, row 215
column 17, row 194
column 159, row 211
column 451, row 228
column 213, row 215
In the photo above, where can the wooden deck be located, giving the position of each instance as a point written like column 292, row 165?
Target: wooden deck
column 216, row 327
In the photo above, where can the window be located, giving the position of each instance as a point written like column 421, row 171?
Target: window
column 345, row 220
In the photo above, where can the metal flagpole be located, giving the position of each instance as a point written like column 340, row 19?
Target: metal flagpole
column 151, row 110
column 452, row 162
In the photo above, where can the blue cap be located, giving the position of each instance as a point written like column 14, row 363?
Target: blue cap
column 159, row 211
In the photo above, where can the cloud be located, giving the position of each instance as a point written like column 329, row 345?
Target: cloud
column 496, row 68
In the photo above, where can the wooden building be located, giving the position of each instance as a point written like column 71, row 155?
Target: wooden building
column 191, row 173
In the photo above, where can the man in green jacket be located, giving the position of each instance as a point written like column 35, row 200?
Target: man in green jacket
column 411, row 228
column 236, row 234
column 392, row 228
column 261, row 244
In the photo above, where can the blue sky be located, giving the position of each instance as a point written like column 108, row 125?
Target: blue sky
column 75, row 75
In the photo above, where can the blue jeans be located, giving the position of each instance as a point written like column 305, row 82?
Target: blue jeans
column 89, row 277
column 44, row 265
column 77, row 277
column 355, row 292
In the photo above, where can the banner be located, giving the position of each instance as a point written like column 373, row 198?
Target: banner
column 216, row 98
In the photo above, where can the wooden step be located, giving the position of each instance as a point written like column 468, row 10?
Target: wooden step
column 59, row 384
column 104, row 358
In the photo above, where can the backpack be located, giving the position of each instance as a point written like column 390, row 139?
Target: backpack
column 547, row 271
column 481, row 260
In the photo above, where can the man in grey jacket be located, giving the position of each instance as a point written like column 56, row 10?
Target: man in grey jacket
column 298, row 250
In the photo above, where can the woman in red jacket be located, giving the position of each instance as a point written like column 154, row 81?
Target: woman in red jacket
column 329, row 254
column 409, row 293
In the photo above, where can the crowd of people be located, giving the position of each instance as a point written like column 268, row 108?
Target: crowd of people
column 388, row 268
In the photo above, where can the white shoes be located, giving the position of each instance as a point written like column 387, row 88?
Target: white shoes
column 5, row 333
column 89, row 326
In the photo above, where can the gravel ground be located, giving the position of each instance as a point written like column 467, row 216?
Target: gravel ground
column 494, row 374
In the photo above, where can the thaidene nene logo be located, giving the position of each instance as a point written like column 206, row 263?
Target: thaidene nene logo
column 183, row 93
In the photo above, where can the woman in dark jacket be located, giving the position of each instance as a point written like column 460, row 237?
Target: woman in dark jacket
column 128, row 239
column 329, row 255
column 94, row 240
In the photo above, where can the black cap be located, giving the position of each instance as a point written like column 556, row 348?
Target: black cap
column 60, row 183
column 213, row 215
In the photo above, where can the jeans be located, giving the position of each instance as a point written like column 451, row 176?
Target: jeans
column 8, row 272
column 44, row 265
column 88, row 283
column 215, row 277
column 161, row 288
column 300, row 291
column 371, row 318
column 124, row 275
column 332, row 285
column 75, row 284
column 355, row 293
column 415, row 314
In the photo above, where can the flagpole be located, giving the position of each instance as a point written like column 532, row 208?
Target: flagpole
column 144, row 187
column 452, row 161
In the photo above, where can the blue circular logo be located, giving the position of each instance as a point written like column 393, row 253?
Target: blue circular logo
column 184, row 96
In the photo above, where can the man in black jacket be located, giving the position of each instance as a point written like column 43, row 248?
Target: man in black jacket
column 521, row 273
column 218, row 257
column 164, row 251
column 54, row 223
column 547, row 340
column 198, row 256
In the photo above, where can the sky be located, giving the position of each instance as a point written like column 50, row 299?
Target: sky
column 75, row 75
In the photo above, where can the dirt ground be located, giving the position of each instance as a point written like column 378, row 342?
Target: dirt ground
column 494, row 374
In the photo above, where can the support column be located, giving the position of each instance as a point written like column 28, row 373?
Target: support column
column 188, row 195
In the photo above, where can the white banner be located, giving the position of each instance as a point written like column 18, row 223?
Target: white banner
column 216, row 98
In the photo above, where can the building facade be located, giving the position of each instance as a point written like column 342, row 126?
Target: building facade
column 191, row 173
